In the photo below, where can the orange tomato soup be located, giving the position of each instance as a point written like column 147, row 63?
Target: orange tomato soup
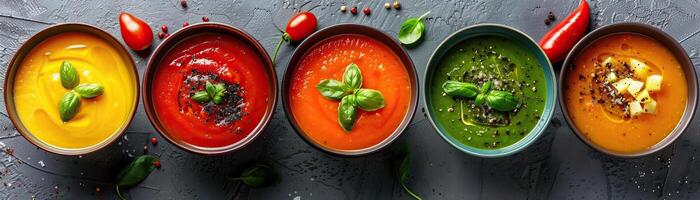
column 381, row 70
column 605, row 116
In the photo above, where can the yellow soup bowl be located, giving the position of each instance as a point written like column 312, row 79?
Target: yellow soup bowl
column 33, row 89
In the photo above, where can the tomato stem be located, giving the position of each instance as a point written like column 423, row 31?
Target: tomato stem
column 421, row 17
column 282, row 40
column 410, row 192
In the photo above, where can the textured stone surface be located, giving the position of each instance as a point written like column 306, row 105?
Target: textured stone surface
column 558, row 166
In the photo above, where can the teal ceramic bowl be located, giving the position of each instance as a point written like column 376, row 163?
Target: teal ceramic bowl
column 521, row 39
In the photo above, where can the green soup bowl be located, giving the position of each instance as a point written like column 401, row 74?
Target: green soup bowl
column 525, row 43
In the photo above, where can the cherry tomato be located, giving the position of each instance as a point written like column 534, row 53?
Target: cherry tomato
column 299, row 26
column 135, row 32
column 559, row 41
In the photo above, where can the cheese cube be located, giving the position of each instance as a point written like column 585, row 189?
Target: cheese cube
column 643, row 96
column 640, row 69
column 650, row 107
column 635, row 87
column 636, row 108
column 612, row 77
column 654, row 83
column 622, row 85
column 611, row 61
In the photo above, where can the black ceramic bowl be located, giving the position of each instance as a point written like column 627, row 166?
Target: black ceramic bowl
column 340, row 29
column 658, row 35
column 162, row 50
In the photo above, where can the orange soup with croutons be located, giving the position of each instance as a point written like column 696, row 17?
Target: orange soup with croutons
column 625, row 92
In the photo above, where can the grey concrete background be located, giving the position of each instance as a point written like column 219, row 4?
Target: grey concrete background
column 558, row 166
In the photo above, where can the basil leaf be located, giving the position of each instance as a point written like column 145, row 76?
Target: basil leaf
column 502, row 101
column 485, row 87
column 401, row 165
column 257, row 176
column 347, row 112
column 479, row 99
column 352, row 76
column 68, row 106
column 69, row 76
column 210, row 88
column 89, row 90
column 218, row 99
column 412, row 30
column 460, row 89
column 136, row 172
column 369, row 99
column 219, row 88
column 201, row 97
column 332, row 89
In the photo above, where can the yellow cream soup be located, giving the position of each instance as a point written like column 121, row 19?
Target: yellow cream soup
column 38, row 91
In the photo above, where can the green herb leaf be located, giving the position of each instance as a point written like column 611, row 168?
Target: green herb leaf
column 218, row 99
column 347, row 112
column 89, row 90
column 69, row 76
column 69, row 105
column 210, row 88
column 401, row 169
column 485, row 87
column 352, row 76
column 258, row 175
column 502, row 101
column 460, row 89
column 479, row 99
column 219, row 88
column 412, row 30
column 201, row 97
column 369, row 99
column 136, row 172
column 332, row 89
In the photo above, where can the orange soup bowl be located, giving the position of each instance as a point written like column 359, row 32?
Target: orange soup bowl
column 33, row 89
column 334, row 54
column 210, row 88
column 628, row 89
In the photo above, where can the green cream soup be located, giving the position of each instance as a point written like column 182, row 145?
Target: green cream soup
column 488, row 92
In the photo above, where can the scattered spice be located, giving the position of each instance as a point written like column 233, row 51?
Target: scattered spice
column 343, row 8
column 185, row 24
column 205, row 19
column 164, row 28
column 156, row 163
column 397, row 5
column 145, row 147
column 161, row 35
column 353, row 10
column 166, row 35
column 183, row 3
column 154, row 140
column 367, row 11
column 551, row 16
column 97, row 189
column 387, row 5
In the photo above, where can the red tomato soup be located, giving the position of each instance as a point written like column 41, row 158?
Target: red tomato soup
column 381, row 70
column 221, row 60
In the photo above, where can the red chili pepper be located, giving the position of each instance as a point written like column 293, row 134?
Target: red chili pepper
column 135, row 32
column 558, row 41
column 299, row 26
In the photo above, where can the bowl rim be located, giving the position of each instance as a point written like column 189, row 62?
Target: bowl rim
column 536, row 131
column 37, row 39
column 351, row 28
column 166, row 45
column 671, row 44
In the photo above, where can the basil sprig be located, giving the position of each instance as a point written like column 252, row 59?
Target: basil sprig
column 211, row 92
column 256, row 176
column 69, row 104
column 136, row 172
column 69, row 76
column 499, row 100
column 351, row 95
column 411, row 30
column 400, row 164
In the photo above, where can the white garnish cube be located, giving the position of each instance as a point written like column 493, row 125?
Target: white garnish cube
column 650, row 107
column 643, row 96
column 635, row 87
column 612, row 77
column 622, row 85
column 640, row 69
column 654, row 82
column 636, row 108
